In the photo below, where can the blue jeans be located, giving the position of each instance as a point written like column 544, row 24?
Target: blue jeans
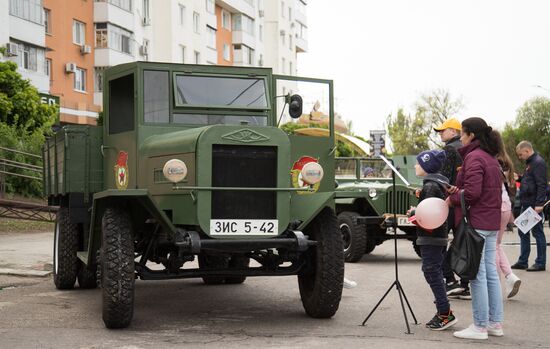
column 486, row 297
column 432, row 259
column 525, row 242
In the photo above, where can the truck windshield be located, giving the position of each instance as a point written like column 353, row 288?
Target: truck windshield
column 217, row 91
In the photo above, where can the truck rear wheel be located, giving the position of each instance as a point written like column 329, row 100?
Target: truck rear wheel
column 354, row 236
column 322, row 281
column 117, row 268
column 207, row 262
column 65, row 262
column 237, row 262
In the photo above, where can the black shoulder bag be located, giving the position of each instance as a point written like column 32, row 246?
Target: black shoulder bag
column 466, row 247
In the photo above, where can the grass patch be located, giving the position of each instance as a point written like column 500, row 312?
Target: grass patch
column 8, row 225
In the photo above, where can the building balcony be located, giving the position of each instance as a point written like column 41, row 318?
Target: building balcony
column 29, row 32
column 301, row 44
column 106, row 57
column 39, row 80
column 300, row 16
column 244, row 38
column 238, row 6
column 211, row 55
column 105, row 12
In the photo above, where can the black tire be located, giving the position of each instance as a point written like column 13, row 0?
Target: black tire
column 417, row 249
column 87, row 277
column 213, row 263
column 354, row 236
column 117, row 268
column 371, row 243
column 65, row 262
column 322, row 281
column 237, row 262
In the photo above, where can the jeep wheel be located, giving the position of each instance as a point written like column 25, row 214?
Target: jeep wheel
column 322, row 281
column 87, row 277
column 65, row 262
column 354, row 236
column 371, row 242
column 207, row 262
column 237, row 262
column 117, row 268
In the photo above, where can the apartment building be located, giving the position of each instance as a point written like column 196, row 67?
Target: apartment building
column 64, row 46
column 69, row 33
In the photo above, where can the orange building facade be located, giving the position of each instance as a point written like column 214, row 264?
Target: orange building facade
column 70, row 58
column 224, row 37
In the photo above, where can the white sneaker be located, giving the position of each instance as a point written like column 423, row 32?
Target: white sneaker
column 512, row 285
column 495, row 329
column 349, row 283
column 472, row 332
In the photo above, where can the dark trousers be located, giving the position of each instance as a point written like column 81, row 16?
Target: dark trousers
column 432, row 259
column 449, row 274
column 525, row 243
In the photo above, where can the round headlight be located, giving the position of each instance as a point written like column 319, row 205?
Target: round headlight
column 174, row 170
column 312, row 173
column 372, row 192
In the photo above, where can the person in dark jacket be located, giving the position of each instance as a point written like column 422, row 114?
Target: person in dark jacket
column 532, row 193
column 480, row 180
column 433, row 244
column 449, row 132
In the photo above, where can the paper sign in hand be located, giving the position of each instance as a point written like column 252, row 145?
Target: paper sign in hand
column 527, row 220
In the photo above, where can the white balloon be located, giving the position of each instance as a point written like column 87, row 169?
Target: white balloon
column 431, row 213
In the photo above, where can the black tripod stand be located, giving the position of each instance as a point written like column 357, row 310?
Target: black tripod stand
column 396, row 283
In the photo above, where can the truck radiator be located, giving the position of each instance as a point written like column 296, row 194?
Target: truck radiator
column 244, row 166
column 403, row 202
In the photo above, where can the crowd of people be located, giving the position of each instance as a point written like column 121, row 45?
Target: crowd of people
column 474, row 165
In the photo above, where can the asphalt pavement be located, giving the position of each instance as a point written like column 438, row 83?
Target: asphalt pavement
column 263, row 311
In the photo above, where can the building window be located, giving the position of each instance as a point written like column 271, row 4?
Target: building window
column 47, row 21
column 197, row 57
column 243, row 23
column 98, row 79
column 80, row 80
column 196, row 22
column 246, row 54
column 29, row 57
column 111, row 36
column 226, row 53
column 211, row 36
column 211, row 6
column 261, row 32
column 48, row 68
column 290, row 13
column 289, row 68
column 31, row 10
column 146, row 13
column 283, row 9
column 290, row 41
column 182, row 14
column 226, row 20
column 283, row 65
column 261, row 61
column 123, row 4
column 183, row 54
column 283, row 39
column 145, row 49
column 79, row 32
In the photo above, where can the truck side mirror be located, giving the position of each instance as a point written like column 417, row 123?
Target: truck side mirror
column 295, row 106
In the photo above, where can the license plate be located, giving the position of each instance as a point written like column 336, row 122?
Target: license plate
column 228, row 227
column 404, row 221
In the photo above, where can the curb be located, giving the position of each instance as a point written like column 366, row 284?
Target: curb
column 21, row 272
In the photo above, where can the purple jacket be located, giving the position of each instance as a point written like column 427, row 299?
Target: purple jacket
column 481, row 179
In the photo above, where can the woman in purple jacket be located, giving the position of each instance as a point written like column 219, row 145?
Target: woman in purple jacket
column 480, row 180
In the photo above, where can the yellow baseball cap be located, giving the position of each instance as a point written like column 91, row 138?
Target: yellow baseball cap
column 449, row 123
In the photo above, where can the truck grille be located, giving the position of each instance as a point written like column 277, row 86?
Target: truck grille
column 244, row 166
column 403, row 201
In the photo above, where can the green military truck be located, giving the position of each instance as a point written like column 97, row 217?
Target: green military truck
column 364, row 204
column 190, row 168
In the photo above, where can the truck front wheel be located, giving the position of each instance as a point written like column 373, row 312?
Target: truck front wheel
column 65, row 262
column 354, row 236
column 322, row 280
column 117, row 268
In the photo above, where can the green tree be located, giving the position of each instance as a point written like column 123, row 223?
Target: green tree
column 24, row 123
column 532, row 124
column 407, row 133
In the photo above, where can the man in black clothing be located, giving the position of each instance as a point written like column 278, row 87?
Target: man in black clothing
column 449, row 132
column 532, row 193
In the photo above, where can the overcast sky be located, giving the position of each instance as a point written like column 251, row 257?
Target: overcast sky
column 383, row 54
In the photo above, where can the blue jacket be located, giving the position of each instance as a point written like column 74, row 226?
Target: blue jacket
column 532, row 191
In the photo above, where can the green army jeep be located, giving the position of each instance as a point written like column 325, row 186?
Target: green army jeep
column 364, row 202
column 190, row 168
